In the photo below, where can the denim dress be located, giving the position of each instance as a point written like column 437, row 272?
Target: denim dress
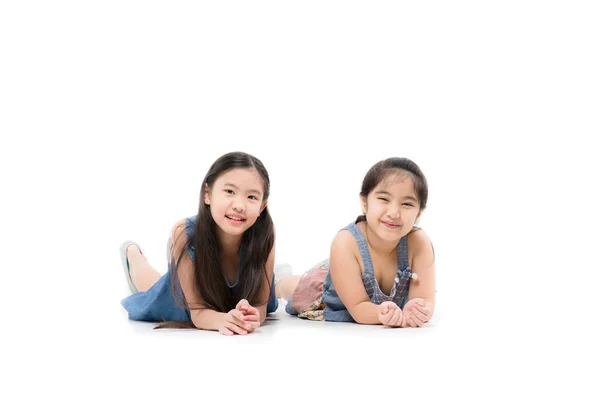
column 158, row 303
column 316, row 285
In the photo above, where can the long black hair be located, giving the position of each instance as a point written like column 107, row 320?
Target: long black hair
column 257, row 243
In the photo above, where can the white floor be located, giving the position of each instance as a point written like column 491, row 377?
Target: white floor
column 293, row 358
column 286, row 329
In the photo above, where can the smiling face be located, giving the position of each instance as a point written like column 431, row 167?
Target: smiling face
column 236, row 200
column 392, row 207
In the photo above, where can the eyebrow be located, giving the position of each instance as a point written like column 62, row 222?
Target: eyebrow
column 249, row 191
column 404, row 198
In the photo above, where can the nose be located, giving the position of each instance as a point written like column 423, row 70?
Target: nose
column 238, row 206
column 394, row 212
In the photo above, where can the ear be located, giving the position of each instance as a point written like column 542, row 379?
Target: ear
column 363, row 203
column 264, row 205
column 206, row 195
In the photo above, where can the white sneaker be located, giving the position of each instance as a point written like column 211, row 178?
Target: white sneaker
column 125, row 262
column 281, row 271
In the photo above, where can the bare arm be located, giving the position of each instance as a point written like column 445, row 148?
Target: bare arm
column 205, row 318
column 266, row 288
column 423, row 264
column 346, row 276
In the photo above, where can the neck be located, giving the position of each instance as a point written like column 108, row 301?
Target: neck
column 377, row 244
column 230, row 244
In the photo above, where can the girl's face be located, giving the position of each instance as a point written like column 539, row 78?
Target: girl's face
column 392, row 208
column 236, row 200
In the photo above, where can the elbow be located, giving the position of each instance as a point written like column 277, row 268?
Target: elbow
column 196, row 322
column 361, row 314
column 201, row 319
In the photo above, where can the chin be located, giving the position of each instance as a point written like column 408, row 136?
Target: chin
column 232, row 230
column 389, row 235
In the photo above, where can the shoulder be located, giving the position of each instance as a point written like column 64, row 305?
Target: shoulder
column 420, row 248
column 345, row 255
column 418, row 238
column 344, row 240
column 179, row 235
column 344, row 248
column 179, row 230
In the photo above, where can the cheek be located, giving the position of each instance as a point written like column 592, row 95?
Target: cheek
column 376, row 209
column 255, row 208
column 411, row 216
column 215, row 211
column 217, row 205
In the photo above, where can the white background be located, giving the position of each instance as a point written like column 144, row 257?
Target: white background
column 111, row 114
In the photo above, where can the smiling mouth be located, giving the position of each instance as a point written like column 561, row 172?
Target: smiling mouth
column 389, row 224
column 239, row 219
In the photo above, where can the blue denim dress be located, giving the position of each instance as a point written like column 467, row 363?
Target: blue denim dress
column 334, row 309
column 158, row 303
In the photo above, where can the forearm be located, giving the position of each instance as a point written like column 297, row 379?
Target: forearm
column 207, row 319
column 365, row 313
column 431, row 305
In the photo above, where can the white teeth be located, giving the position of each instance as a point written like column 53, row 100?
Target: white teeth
column 235, row 218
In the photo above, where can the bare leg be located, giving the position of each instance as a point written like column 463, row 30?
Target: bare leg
column 142, row 274
column 286, row 285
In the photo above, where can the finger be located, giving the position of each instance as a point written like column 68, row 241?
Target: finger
column 427, row 311
column 250, row 328
column 237, row 318
column 254, row 324
column 417, row 321
column 251, row 310
column 257, row 315
column 404, row 320
column 411, row 322
column 400, row 318
column 396, row 318
column 384, row 318
column 243, row 325
column 235, row 329
column 250, row 317
column 242, row 305
column 225, row 331
column 386, row 312
column 421, row 316
column 390, row 317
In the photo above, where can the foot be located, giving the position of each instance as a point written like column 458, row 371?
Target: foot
column 127, row 250
column 132, row 251
column 281, row 271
